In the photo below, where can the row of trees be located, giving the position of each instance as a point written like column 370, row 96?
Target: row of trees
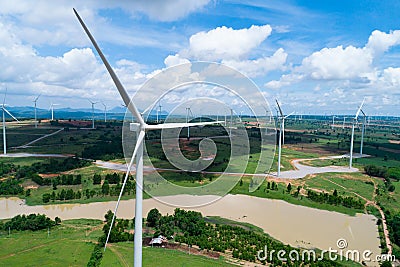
column 335, row 199
column 31, row 222
column 52, row 165
column 61, row 195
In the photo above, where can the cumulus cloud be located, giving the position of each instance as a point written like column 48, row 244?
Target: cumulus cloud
column 174, row 60
column 380, row 42
column 347, row 64
column 392, row 76
column 337, row 63
column 260, row 66
column 226, row 43
column 231, row 47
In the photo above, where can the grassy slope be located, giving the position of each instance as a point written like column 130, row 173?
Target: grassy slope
column 121, row 254
column 67, row 245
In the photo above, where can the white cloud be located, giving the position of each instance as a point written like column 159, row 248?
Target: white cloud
column 226, row 43
column 174, row 60
column 380, row 42
column 260, row 66
column 337, row 63
column 392, row 76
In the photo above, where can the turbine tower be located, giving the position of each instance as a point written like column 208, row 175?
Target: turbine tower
column 105, row 111
column 362, row 132
column 188, row 110
column 34, row 101
column 140, row 128
column 159, row 112
column 93, row 103
column 352, row 134
column 3, row 107
column 281, row 118
column 52, row 110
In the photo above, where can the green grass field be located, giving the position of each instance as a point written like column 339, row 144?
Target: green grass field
column 69, row 244
column 121, row 254
column 72, row 243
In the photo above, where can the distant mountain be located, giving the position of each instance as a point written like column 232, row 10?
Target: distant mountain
column 116, row 113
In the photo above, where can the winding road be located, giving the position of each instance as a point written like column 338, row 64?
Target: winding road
column 300, row 171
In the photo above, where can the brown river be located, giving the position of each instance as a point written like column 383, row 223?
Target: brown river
column 292, row 224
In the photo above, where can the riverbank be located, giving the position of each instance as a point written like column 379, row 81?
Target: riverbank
column 291, row 224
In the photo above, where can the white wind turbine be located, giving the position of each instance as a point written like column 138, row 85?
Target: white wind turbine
column 188, row 111
column 362, row 132
column 140, row 128
column 352, row 133
column 3, row 107
column 105, row 111
column 34, row 101
column 333, row 121
column 93, row 103
column 159, row 112
column 52, row 110
column 283, row 117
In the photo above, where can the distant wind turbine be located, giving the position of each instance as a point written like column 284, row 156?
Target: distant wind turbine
column 281, row 118
column 159, row 112
column 3, row 107
column 52, row 110
column 352, row 133
column 93, row 103
column 34, row 101
column 362, row 132
column 140, row 128
column 105, row 111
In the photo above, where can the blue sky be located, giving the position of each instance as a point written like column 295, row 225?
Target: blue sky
column 314, row 56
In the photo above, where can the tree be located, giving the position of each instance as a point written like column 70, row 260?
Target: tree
column 57, row 220
column 289, row 187
column 335, row 193
column 153, row 217
column 96, row 179
column 105, row 188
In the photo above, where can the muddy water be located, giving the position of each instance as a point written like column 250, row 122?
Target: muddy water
column 292, row 224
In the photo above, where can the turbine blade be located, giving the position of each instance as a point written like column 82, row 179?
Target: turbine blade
column 280, row 110
column 359, row 109
column 138, row 143
column 36, row 99
column 8, row 112
column 180, row 125
column 118, row 84
column 289, row 115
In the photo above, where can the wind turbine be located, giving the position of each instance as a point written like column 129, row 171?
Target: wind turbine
column 352, row 133
column 333, row 121
column 3, row 107
column 362, row 132
column 34, row 101
column 105, row 111
column 93, row 103
column 188, row 110
column 283, row 117
column 52, row 110
column 159, row 112
column 140, row 128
